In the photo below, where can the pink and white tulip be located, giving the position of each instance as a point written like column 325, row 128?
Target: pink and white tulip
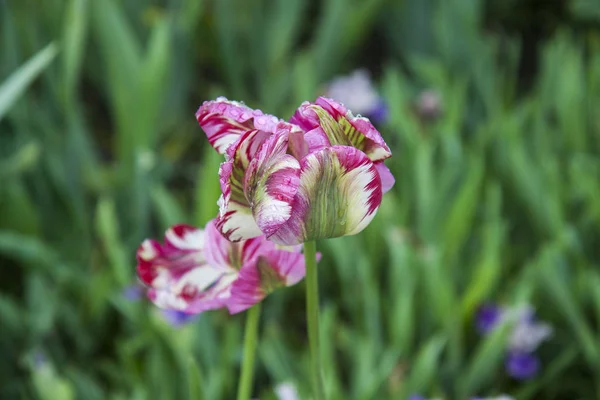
column 321, row 175
column 197, row 270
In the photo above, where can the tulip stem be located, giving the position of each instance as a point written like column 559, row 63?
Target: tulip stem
column 250, row 341
column 312, row 318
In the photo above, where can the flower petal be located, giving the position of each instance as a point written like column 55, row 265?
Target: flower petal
column 522, row 366
column 339, row 194
column 264, row 274
column 341, row 127
column 387, row 179
column 271, row 183
column 178, row 275
column 235, row 220
column 201, row 289
column 157, row 263
column 224, row 121
column 221, row 252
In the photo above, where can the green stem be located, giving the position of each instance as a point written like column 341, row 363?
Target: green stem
column 250, row 341
column 312, row 318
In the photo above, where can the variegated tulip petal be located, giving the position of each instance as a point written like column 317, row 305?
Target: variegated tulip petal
column 316, row 139
column 178, row 274
column 261, row 276
column 224, row 121
column 387, row 179
column 271, row 183
column 339, row 194
column 235, row 220
column 341, row 127
column 246, row 147
column 221, row 252
column 297, row 144
column 182, row 251
column 202, row 288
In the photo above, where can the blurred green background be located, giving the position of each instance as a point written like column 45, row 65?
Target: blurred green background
column 497, row 198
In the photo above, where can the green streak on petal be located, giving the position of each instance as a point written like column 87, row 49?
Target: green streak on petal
column 340, row 132
column 269, row 278
column 235, row 255
column 237, row 186
column 326, row 188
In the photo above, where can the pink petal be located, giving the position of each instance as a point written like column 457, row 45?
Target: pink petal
column 387, row 179
column 224, row 121
column 217, row 247
column 339, row 194
column 341, row 127
column 271, row 183
column 221, row 252
column 297, row 144
column 264, row 274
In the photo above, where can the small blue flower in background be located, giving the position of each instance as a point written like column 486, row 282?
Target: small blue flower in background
column 526, row 336
column 488, row 317
column 528, row 332
column 357, row 93
column 177, row 318
column 522, row 366
column 133, row 292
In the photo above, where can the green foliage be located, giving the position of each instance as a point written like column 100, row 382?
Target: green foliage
column 497, row 199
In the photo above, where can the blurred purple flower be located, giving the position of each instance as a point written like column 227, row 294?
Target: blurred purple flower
column 177, row 318
column 488, row 317
column 357, row 93
column 379, row 114
column 416, row 397
column 528, row 333
column 133, row 292
column 522, row 366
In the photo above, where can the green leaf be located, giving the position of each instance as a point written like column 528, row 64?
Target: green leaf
column 486, row 360
column 16, row 84
column 425, row 367
column 107, row 227
column 195, row 380
column 73, row 45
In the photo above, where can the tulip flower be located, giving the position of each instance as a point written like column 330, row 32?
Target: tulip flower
column 320, row 175
column 197, row 270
